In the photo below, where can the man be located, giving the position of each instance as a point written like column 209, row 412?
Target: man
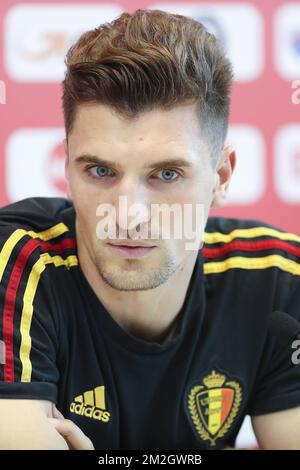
column 144, row 342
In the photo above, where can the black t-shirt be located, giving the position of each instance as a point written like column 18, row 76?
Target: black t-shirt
column 190, row 392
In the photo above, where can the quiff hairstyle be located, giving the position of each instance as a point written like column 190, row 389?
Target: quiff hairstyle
column 151, row 59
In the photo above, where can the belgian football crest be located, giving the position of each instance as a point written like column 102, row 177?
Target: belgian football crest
column 213, row 405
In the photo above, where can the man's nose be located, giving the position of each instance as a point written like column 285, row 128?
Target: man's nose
column 132, row 203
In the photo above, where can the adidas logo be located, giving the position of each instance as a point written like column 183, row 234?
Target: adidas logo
column 91, row 404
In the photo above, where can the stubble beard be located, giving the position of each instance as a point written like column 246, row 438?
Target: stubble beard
column 135, row 274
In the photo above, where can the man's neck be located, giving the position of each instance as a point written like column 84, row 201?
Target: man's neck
column 150, row 314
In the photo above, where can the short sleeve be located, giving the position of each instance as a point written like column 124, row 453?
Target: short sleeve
column 278, row 382
column 28, row 327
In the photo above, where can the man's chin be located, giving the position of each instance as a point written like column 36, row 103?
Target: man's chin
column 128, row 281
column 132, row 278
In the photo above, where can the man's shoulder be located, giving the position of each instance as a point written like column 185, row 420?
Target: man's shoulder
column 35, row 213
column 227, row 225
column 225, row 230
column 250, row 244
column 36, row 222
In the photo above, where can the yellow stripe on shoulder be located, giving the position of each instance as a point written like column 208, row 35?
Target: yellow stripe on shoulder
column 216, row 237
column 27, row 311
column 264, row 262
column 18, row 234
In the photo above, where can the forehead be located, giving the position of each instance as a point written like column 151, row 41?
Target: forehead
column 100, row 125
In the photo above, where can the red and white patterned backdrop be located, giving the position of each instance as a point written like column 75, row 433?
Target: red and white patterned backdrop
column 262, row 39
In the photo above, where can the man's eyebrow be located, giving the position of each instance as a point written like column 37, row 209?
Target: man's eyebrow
column 166, row 163
column 169, row 162
column 87, row 158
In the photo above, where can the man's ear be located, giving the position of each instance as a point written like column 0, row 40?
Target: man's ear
column 224, row 173
column 65, row 144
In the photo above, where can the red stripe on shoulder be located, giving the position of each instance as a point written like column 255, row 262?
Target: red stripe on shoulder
column 250, row 246
column 11, row 294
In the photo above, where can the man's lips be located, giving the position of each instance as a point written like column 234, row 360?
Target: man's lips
column 131, row 243
column 131, row 249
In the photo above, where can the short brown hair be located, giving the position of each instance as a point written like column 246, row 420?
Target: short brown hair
column 149, row 59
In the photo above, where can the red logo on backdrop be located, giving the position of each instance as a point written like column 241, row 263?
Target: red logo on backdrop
column 56, row 168
column 56, row 45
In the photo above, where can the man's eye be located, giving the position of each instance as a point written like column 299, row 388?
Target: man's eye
column 168, row 175
column 100, row 171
